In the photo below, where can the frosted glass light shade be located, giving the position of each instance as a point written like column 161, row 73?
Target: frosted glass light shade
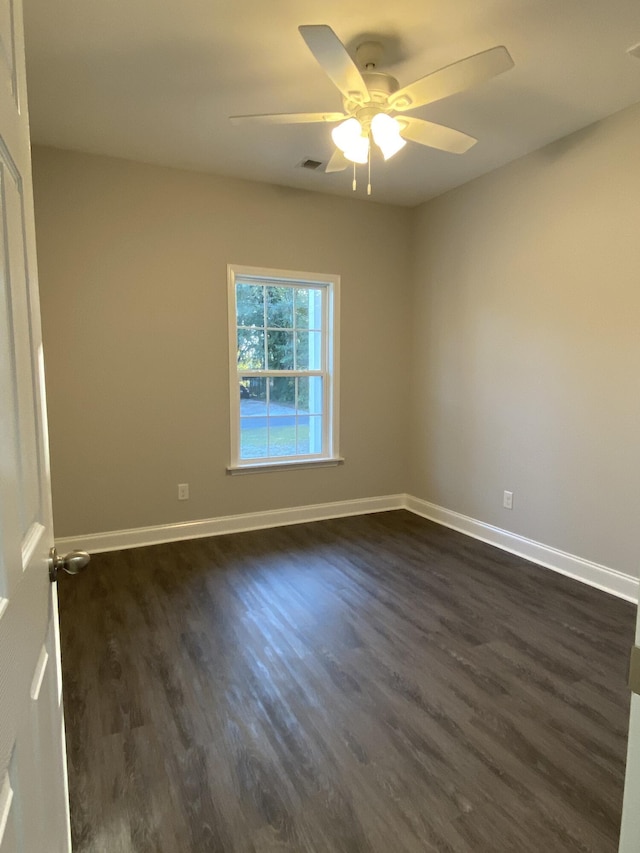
column 346, row 132
column 358, row 150
column 349, row 139
column 386, row 135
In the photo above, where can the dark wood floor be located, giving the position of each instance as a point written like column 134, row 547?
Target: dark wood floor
column 376, row 683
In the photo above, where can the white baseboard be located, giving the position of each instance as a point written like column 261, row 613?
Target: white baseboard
column 115, row 540
column 609, row 580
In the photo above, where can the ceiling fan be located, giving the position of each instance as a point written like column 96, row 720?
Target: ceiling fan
column 370, row 97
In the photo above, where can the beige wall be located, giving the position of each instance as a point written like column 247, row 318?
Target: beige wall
column 527, row 346
column 132, row 265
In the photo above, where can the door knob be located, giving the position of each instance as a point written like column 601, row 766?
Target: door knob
column 72, row 563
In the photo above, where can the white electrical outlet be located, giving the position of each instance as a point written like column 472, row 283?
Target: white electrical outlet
column 507, row 500
column 183, row 491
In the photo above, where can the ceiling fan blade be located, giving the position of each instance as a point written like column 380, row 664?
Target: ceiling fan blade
column 337, row 163
column 435, row 135
column 288, row 118
column 453, row 78
column 332, row 55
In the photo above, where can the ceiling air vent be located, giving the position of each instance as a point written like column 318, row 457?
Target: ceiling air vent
column 308, row 163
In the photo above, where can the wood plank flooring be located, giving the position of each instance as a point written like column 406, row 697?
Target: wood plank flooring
column 376, row 683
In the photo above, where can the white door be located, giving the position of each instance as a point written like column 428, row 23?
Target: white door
column 34, row 814
column 630, row 831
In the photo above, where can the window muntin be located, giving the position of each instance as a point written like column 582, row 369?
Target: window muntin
column 283, row 358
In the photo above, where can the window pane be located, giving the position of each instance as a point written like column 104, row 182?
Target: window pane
column 282, row 436
column 282, row 395
column 315, row 434
column 309, row 350
column 302, row 307
column 253, row 438
column 253, row 396
column 315, row 309
column 309, row 435
column 250, row 304
column 308, row 308
column 280, row 307
column 310, row 395
column 280, row 350
column 302, row 446
column 251, row 349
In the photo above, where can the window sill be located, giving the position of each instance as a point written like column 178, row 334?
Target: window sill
column 262, row 467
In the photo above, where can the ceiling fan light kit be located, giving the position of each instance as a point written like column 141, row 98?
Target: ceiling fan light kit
column 350, row 139
column 369, row 96
column 386, row 135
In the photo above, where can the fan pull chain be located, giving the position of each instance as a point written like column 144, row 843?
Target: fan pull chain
column 354, row 178
column 369, row 164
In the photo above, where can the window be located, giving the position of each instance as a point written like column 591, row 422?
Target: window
column 283, row 358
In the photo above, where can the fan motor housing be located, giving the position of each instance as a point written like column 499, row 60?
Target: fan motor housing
column 380, row 86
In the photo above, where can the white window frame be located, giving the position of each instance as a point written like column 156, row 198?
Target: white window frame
column 330, row 285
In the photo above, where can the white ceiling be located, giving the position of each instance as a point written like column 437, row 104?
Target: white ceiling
column 155, row 81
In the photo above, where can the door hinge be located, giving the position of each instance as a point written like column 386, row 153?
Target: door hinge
column 634, row 669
